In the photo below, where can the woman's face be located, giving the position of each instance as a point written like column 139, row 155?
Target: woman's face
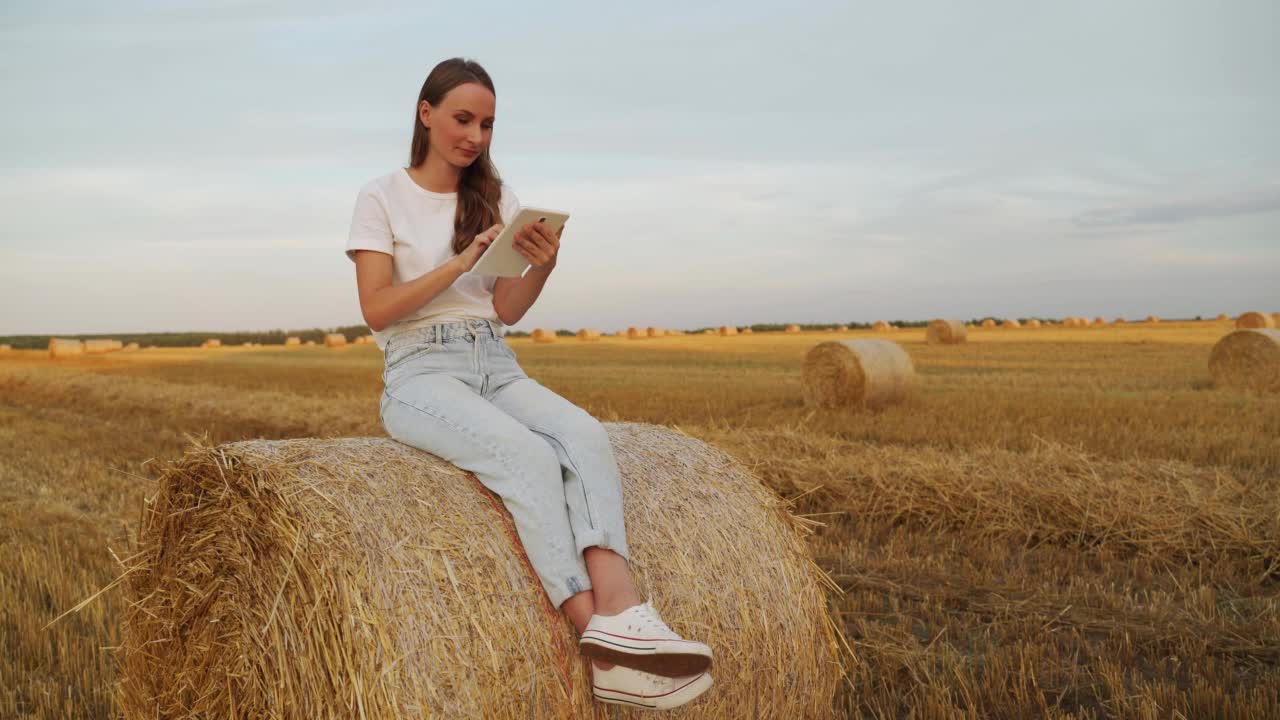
column 461, row 123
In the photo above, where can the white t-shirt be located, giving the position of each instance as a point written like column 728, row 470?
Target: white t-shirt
column 395, row 215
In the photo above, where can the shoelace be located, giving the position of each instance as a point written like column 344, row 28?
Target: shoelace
column 650, row 620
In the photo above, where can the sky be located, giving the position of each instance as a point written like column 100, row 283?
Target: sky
column 181, row 166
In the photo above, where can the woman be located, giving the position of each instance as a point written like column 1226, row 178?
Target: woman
column 453, row 386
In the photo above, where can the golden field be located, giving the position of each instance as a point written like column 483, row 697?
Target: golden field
column 1062, row 522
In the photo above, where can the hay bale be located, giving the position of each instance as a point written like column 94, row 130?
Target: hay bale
column 292, row 340
column 1222, row 317
column 1119, row 321
column 211, row 343
column 335, row 340
column 634, row 333
column 880, row 326
column 1011, row 323
column 1247, row 359
column 65, row 347
column 131, row 346
column 1275, row 318
column 655, row 332
column 589, row 334
column 856, row 373
column 97, row 346
column 988, row 323
column 726, row 330
column 747, row 331
column 360, row 577
column 842, row 328
column 309, row 342
column 1033, row 323
column 792, row 329
column 946, row 332
column 1099, row 322
column 1255, row 320
column 1153, row 319
column 5, row 347
column 543, row 335
column 709, row 331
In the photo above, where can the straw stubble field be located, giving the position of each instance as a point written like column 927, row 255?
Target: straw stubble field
column 1059, row 523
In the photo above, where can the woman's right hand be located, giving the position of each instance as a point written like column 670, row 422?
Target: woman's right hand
column 468, row 257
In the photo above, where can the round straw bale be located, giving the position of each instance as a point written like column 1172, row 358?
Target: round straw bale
column 747, row 331
column 1255, row 320
column 843, row 328
column 588, row 334
column 335, row 340
column 792, row 328
column 543, row 335
column 63, row 347
column 988, row 323
column 1222, row 317
column 1010, row 323
column 1275, row 318
column 292, row 340
column 1033, row 323
column 1247, row 359
column 1153, row 319
column 5, row 347
column 655, row 332
column 852, row 373
column 246, row 343
column 212, row 343
column 880, row 326
column 360, row 577
column 1099, row 321
column 1119, row 321
column 98, row 346
column 946, row 332
column 309, row 342
column 728, row 330
column 131, row 346
column 635, row 333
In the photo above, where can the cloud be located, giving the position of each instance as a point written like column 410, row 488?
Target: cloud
column 1262, row 200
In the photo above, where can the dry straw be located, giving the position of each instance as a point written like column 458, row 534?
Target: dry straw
column 1099, row 321
column 98, row 346
column 1222, row 317
column 1255, row 320
column 841, row 328
column 362, row 578
column 309, row 342
column 211, row 343
column 1247, row 359
column 1033, row 323
column 988, row 323
column 880, row 326
column 543, row 335
column 5, row 347
column 1275, row 318
column 655, row 332
column 131, row 346
column 335, row 340
column 1153, row 319
column 792, row 328
column 946, row 332
column 727, row 330
column 292, row 340
column 1010, row 323
column 747, row 331
column 588, row 334
column 856, row 373
column 65, row 347
column 635, row 333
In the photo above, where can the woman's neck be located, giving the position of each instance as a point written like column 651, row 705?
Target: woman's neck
column 436, row 175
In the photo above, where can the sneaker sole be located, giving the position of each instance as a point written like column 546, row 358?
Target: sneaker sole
column 666, row 659
column 675, row 698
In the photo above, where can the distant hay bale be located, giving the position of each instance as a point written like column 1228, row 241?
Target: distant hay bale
column 988, row 323
column 97, row 346
column 1033, row 323
column 1275, row 318
column 946, row 332
column 334, row 340
column 543, row 335
column 843, row 328
column 880, row 326
column 792, row 328
column 1099, row 321
column 709, row 331
column 292, row 340
column 726, row 330
column 1010, row 323
column 856, row 373
column 747, row 331
column 1222, row 317
column 1247, row 359
column 246, row 343
column 1119, row 321
column 635, row 333
column 1153, row 319
column 588, row 334
column 655, row 332
column 360, row 577
column 65, row 347
column 131, row 346
column 309, row 342
column 5, row 347
column 211, row 343
column 1255, row 320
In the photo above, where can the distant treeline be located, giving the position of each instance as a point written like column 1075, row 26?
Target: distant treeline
column 276, row 337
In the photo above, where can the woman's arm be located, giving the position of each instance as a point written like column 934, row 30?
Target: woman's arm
column 382, row 303
column 512, row 297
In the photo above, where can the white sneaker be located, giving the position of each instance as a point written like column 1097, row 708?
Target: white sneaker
column 627, row 686
column 638, row 638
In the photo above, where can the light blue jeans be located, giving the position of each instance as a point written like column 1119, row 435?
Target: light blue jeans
column 455, row 390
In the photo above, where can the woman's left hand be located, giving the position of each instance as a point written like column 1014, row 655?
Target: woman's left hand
column 537, row 243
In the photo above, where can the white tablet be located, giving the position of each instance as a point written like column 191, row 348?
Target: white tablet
column 501, row 258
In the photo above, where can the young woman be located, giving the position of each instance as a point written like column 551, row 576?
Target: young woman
column 453, row 386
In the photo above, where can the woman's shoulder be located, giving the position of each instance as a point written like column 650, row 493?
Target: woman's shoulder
column 382, row 182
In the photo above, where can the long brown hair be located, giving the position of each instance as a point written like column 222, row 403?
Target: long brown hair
column 480, row 187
